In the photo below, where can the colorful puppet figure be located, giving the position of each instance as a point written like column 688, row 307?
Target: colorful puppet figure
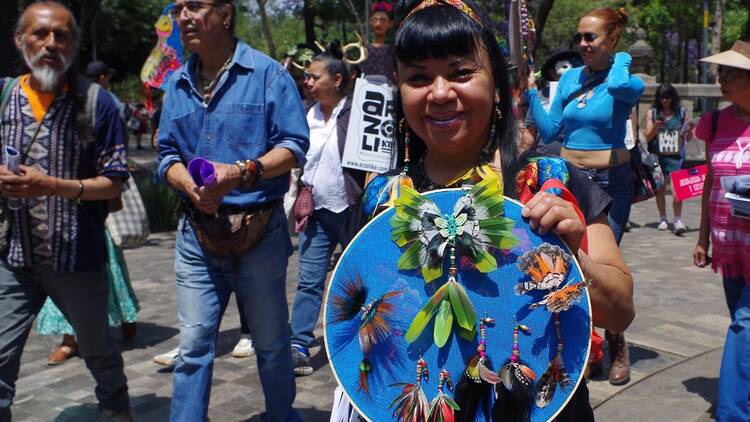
column 166, row 57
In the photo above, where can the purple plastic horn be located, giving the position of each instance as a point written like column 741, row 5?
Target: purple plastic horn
column 202, row 171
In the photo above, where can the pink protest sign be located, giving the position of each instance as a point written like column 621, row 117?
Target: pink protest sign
column 688, row 183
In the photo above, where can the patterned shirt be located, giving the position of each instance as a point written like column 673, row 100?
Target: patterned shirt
column 729, row 149
column 52, row 231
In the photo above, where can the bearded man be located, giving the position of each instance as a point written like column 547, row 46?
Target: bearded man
column 240, row 109
column 70, row 143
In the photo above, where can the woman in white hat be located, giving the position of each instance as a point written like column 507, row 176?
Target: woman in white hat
column 727, row 136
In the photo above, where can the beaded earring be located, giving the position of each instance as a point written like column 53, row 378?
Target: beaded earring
column 403, row 179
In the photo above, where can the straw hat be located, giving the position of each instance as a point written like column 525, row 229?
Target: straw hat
column 738, row 56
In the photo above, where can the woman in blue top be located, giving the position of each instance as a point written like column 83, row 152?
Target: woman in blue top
column 590, row 109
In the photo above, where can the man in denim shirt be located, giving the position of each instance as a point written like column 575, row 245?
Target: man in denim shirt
column 240, row 110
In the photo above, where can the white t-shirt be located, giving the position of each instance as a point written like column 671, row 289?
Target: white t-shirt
column 323, row 168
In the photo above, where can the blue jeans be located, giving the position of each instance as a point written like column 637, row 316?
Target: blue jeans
column 204, row 284
column 618, row 183
column 82, row 298
column 316, row 244
column 734, row 376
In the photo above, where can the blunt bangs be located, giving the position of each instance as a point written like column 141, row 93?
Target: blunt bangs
column 435, row 33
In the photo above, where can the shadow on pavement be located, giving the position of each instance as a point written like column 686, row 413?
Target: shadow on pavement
column 638, row 353
column 148, row 335
column 307, row 415
column 90, row 412
column 705, row 387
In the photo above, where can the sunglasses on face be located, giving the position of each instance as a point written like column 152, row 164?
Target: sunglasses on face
column 586, row 36
column 193, row 7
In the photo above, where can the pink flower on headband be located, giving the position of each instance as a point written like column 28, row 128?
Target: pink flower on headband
column 381, row 6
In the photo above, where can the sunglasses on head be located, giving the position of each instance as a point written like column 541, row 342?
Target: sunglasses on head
column 586, row 36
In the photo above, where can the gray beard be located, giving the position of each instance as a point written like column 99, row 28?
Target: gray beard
column 47, row 77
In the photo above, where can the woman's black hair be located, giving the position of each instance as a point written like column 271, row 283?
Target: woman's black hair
column 667, row 90
column 333, row 58
column 442, row 31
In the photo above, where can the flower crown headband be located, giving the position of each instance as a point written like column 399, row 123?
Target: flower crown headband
column 458, row 4
column 381, row 6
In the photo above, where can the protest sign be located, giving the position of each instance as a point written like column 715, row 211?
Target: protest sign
column 370, row 141
column 688, row 183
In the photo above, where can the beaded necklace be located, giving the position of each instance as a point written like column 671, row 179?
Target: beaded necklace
column 207, row 87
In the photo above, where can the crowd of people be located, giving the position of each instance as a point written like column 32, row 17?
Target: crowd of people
column 457, row 124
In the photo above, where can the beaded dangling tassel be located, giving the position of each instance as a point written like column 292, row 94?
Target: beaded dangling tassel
column 474, row 389
column 443, row 407
column 515, row 393
column 412, row 405
column 555, row 373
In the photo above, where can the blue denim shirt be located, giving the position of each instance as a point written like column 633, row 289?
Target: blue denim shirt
column 256, row 107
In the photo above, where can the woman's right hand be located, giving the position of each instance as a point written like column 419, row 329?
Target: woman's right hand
column 700, row 255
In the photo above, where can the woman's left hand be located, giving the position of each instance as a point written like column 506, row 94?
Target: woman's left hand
column 547, row 211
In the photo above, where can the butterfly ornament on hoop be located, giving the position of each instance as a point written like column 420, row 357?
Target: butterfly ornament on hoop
column 476, row 225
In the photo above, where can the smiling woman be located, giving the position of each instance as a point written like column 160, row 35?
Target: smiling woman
column 456, row 130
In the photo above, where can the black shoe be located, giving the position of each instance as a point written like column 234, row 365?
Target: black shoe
column 301, row 363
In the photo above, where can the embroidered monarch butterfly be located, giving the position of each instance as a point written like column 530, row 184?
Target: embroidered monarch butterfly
column 562, row 299
column 547, row 265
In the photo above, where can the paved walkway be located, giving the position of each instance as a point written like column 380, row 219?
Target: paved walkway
column 676, row 344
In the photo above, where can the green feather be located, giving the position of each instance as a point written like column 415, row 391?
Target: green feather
column 443, row 323
column 425, row 315
column 467, row 335
column 432, row 273
column 484, row 261
column 463, row 303
column 458, row 309
column 410, row 258
column 401, row 231
column 451, row 403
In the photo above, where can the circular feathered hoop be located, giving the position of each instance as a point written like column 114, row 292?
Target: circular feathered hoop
column 495, row 316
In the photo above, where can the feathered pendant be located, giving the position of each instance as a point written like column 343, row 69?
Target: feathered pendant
column 555, row 373
column 516, row 391
column 375, row 325
column 474, row 389
column 547, row 265
column 412, row 405
column 452, row 303
column 442, row 407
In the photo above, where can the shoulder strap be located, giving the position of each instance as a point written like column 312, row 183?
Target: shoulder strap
column 8, row 85
column 88, row 92
column 714, row 124
column 588, row 85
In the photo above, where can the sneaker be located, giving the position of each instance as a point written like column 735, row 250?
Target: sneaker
column 679, row 228
column 244, row 347
column 301, row 362
column 169, row 358
column 663, row 225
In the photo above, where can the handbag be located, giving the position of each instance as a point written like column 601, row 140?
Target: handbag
column 303, row 208
column 643, row 182
column 230, row 234
column 129, row 227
